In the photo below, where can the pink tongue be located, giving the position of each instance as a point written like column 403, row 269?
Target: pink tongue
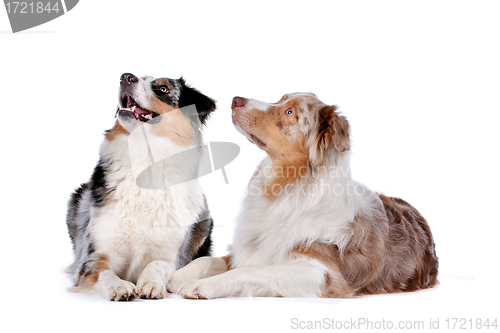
column 138, row 111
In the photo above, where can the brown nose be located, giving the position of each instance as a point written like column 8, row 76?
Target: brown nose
column 238, row 102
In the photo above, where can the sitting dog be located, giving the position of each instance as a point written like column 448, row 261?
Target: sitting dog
column 137, row 220
column 306, row 229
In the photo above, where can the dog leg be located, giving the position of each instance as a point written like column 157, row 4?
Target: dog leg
column 112, row 288
column 95, row 274
column 154, row 277
column 298, row 278
column 198, row 269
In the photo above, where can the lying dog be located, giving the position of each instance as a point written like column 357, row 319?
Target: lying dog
column 128, row 238
column 306, row 228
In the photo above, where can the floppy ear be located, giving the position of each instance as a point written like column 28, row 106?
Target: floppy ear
column 341, row 133
column 204, row 104
column 333, row 131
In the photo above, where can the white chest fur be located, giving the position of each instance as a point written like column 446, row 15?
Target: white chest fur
column 269, row 228
column 137, row 225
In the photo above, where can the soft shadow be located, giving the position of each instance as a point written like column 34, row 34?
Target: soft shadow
column 27, row 32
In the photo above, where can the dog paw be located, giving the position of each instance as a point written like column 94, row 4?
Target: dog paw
column 199, row 289
column 121, row 291
column 151, row 289
column 177, row 280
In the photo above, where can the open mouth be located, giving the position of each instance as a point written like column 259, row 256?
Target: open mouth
column 129, row 108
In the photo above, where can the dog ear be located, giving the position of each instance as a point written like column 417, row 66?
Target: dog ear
column 341, row 134
column 204, row 104
column 332, row 131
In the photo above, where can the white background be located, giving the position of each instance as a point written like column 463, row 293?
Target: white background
column 419, row 82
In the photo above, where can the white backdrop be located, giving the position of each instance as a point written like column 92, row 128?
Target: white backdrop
column 418, row 80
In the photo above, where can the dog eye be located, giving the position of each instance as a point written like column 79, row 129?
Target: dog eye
column 289, row 111
column 164, row 89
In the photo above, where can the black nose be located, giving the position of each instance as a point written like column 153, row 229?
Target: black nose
column 128, row 78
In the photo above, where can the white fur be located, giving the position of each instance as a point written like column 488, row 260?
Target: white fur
column 154, row 278
column 268, row 230
column 111, row 287
column 139, row 226
column 256, row 105
column 298, row 277
column 141, row 230
column 201, row 268
column 140, row 233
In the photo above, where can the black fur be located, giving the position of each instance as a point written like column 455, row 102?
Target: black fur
column 93, row 195
column 91, row 249
column 204, row 105
column 167, row 97
column 205, row 249
column 191, row 249
column 98, row 184
column 76, row 221
column 72, row 210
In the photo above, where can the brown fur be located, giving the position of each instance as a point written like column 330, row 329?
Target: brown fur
column 286, row 172
column 284, row 143
column 115, row 131
column 390, row 246
column 156, row 105
column 227, row 259
column 333, row 129
column 89, row 273
column 175, row 126
column 335, row 283
column 162, row 80
column 392, row 250
column 405, row 220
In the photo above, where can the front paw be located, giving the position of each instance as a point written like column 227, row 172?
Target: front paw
column 121, row 291
column 177, row 280
column 151, row 289
column 201, row 289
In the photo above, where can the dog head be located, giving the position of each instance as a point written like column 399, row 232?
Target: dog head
column 298, row 129
column 146, row 99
